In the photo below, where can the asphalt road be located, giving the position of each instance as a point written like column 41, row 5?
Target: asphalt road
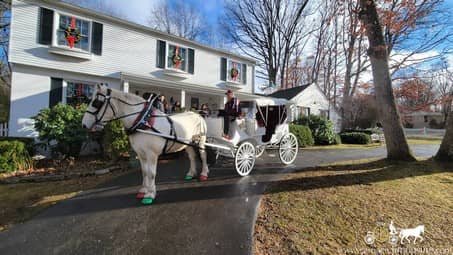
column 214, row 217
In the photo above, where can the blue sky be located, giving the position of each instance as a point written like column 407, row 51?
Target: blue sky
column 139, row 10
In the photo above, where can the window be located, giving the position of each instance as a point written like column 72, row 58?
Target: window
column 194, row 103
column 73, row 33
column 78, row 93
column 177, row 57
column 234, row 71
column 304, row 111
column 324, row 113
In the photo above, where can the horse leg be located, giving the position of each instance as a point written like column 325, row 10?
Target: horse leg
column 193, row 167
column 204, row 164
column 142, row 190
column 150, row 175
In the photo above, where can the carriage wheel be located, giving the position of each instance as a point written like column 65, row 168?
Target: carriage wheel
column 244, row 159
column 288, row 149
column 260, row 151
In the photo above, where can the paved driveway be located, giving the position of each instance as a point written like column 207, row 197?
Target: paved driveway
column 215, row 217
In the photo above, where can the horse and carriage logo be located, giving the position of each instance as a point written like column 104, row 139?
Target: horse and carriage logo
column 393, row 234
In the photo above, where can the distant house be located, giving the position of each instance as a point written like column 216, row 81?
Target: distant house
column 309, row 99
column 421, row 119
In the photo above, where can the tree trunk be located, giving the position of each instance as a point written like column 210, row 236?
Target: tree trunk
column 445, row 152
column 397, row 147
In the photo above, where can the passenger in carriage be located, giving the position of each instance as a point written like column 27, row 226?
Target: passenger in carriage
column 231, row 112
column 204, row 110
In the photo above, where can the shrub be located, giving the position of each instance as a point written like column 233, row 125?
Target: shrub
column 303, row 134
column 14, row 156
column 62, row 124
column 28, row 141
column 355, row 138
column 366, row 131
column 321, row 129
column 115, row 140
column 337, row 139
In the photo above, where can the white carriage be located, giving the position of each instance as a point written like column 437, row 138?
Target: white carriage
column 262, row 125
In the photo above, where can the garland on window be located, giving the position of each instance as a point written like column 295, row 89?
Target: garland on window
column 72, row 33
column 234, row 72
column 176, row 58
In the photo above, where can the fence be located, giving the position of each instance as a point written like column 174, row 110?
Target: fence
column 427, row 132
column 4, row 129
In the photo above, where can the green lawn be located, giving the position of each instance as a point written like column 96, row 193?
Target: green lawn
column 329, row 210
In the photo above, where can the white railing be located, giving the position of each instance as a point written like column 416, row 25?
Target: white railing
column 424, row 132
column 4, row 129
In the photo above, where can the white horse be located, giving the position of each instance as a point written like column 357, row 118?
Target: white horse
column 415, row 232
column 109, row 104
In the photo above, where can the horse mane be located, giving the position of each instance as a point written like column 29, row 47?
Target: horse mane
column 128, row 97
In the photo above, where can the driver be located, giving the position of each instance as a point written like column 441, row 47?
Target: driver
column 232, row 111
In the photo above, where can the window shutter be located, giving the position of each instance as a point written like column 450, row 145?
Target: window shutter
column 45, row 26
column 223, row 69
column 161, row 48
column 56, row 91
column 191, row 60
column 244, row 73
column 96, row 38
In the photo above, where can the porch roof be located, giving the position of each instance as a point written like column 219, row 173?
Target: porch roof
column 189, row 87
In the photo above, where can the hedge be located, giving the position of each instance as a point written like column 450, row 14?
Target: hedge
column 366, row 131
column 28, row 141
column 355, row 138
column 14, row 156
column 321, row 128
column 303, row 134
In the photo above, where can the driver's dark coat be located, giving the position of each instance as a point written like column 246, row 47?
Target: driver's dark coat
column 232, row 107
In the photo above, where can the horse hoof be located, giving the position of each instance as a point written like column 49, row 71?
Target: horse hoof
column 140, row 195
column 203, row 178
column 188, row 177
column 147, row 200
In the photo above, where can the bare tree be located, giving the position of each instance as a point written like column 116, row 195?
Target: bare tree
column 178, row 18
column 268, row 30
column 442, row 80
column 415, row 31
column 395, row 139
column 5, row 21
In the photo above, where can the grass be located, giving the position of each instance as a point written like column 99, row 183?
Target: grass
column 329, row 210
column 20, row 202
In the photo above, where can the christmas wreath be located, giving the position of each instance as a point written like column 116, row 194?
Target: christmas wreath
column 234, row 72
column 72, row 34
column 176, row 59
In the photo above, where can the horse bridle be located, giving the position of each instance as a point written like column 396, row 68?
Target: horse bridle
column 98, row 104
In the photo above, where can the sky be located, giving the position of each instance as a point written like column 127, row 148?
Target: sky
column 139, row 10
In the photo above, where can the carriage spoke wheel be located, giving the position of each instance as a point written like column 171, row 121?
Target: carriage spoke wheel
column 244, row 159
column 288, row 149
column 260, row 151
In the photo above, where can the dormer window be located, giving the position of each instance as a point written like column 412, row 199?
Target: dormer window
column 177, row 57
column 73, row 32
column 69, row 35
column 233, row 72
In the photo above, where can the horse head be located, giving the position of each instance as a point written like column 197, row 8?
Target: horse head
column 99, row 109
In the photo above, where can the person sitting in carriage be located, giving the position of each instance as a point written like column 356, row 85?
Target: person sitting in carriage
column 231, row 112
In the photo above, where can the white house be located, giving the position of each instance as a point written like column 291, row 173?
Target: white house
column 59, row 51
column 309, row 99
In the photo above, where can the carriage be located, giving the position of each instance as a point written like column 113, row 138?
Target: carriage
column 262, row 126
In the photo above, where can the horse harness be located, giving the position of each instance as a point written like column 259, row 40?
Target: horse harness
column 144, row 120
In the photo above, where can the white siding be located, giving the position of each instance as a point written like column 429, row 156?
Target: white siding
column 124, row 50
column 30, row 93
column 313, row 98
